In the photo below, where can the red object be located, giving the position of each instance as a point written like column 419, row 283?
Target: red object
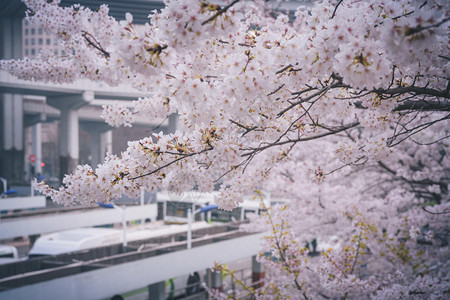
column 32, row 158
column 258, row 279
column 42, row 164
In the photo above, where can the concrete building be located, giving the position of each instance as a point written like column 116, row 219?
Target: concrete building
column 49, row 129
column 34, row 40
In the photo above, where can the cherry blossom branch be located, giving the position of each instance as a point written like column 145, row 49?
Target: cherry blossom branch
column 283, row 69
column 335, row 8
column 184, row 156
column 356, row 254
column 276, row 90
column 423, row 105
column 412, row 131
column 225, row 271
column 332, row 131
column 220, row 12
column 282, row 251
column 95, row 43
column 413, row 90
column 317, row 94
column 248, row 129
column 355, row 260
column 433, row 142
column 419, row 28
column 436, row 213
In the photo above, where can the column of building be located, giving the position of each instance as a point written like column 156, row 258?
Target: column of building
column 12, row 137
column 101, row 139
column 69, row 128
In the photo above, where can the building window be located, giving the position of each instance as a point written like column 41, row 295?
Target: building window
column 47, row 41
column 33, row 31
column 33, row 51
column 55, row 42
column 26, row 42
column 26, row 22
column 26, row 31
column 56, row 51
column 63, row 52
column 40, row 30
column 41, row 41
column 33, row 42
column 26, row 51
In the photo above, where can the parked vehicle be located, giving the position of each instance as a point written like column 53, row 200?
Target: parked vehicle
column 74, row 240
column 8, row 254
column 88, row 238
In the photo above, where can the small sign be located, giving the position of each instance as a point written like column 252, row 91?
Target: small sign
column 33, row 158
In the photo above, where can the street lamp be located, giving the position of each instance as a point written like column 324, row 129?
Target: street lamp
column 190, row 215
column 124, row 223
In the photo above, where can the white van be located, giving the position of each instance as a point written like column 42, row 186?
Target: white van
column 74, row 240
column 8, row 254
column 87, row 238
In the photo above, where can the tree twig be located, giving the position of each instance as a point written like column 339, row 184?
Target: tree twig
column 220, row 11
column 335, row 8
column 95, row 43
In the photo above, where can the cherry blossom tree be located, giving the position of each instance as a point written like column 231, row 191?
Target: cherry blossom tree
column 341, row 108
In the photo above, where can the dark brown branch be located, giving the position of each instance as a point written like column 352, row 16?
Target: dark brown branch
column 423, row 105
column 433, row 142
column 283, row 69
column 381, row 164
column 332, row 131
column 220, row 12
column 436, row 213
column 248, row 129
column 413, row 90
column 412, row 131
column 404, row 15
column 356, row 255
column 170, row 163
column 279, row 88
column 335, row 8
column 417, row 29
column 319, row 94
column 310, row 88
column 281, row 252
column 95, row 43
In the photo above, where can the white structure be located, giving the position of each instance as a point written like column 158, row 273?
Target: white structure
column 106, row 282
column 13, row 203
column 25, row 226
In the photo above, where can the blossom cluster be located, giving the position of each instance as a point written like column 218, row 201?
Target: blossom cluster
column 342, row 108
